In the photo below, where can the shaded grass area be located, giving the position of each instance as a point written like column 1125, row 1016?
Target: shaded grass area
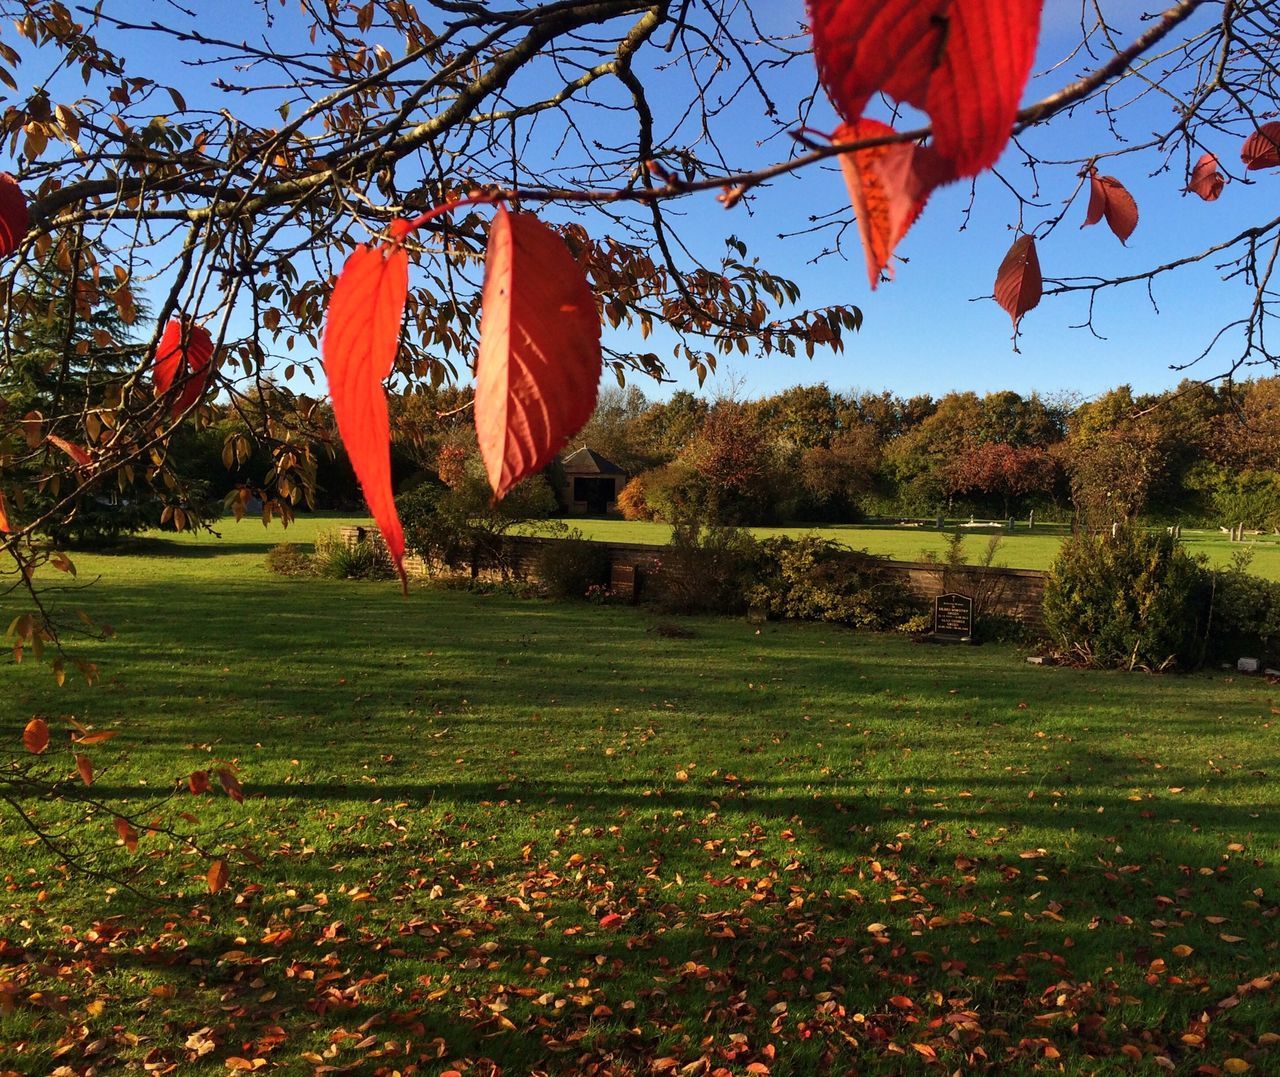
column 487, row 832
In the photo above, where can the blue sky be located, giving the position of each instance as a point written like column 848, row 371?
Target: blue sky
column 924, row 332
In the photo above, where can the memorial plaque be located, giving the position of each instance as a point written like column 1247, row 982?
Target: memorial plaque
column 953, row 618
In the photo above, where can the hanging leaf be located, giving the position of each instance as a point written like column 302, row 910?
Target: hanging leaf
column 85, row 768
column 216, row 876
column 77, row 452
column 1262, row 148
column 231, row 785
column 964, row 62
column 127, row 834
column 35, row 738
column 1108, row 198
column 361, row 337
column 1206, row 180
column 538, row 367
column 5, row 526
column 1018, row 282
column 888, row 186
column 182, row 359
column 14, row 218
column 198, row 782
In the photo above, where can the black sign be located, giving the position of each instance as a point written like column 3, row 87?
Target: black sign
column 953, row 617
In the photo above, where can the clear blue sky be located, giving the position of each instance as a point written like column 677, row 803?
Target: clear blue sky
column 923, row 332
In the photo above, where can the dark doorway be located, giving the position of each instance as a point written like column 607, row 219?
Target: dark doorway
column 597, row 493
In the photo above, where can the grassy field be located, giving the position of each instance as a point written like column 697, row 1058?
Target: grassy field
column 486, row 834
column 1018, row 549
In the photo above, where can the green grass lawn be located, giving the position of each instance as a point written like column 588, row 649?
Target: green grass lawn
column 487, row 834
column 1018, row 549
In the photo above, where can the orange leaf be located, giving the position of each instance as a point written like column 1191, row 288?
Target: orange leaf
column 964, row 62
column 127, row 834
column 77, row 453
column 85, row 767
column 231, row 784
column 1262, row 148
column 538, row 368
column 610, row 920
column 14, row 218
column 35, row 738
column 217, row 876
column 182, row 358
column 361, row 337
column 5, row 527
column 888, row 186
column 1018, row 281
column 901, row 1002
column 97, row 738
column 1206, row 180
column 1107, row 197
column 198, row 782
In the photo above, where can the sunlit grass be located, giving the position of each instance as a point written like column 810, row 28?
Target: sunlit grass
column 472, row 812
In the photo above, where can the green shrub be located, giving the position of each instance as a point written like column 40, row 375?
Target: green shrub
column 569, row 567
column 1134, row 601
column 287, row 560
column 335, row 560
column 1244, row 613
column 707, row 570
column 812, row 579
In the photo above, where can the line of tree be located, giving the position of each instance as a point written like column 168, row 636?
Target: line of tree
column 1198, row 455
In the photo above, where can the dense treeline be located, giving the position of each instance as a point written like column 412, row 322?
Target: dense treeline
column 1197, row 455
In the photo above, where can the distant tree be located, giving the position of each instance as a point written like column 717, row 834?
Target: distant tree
column 835, row 476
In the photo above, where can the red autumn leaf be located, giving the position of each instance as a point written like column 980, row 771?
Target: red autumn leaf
column 1206, row 180
column 126, row 833
column 1108, row 198
column 1262, row 148
column 182, row 359
column 85, row 768
column 964, row 62
column 901, row 1002
column 78, row 453
column 888, row 186
column 35, row 738
column 538, row 368
column 97, row 738
column 5, row 526
column 14, row 218
column 216, row 876
column 610, row 921
column 1018, row 281
column 198, row 782
column 361, row 337
column 231, row 785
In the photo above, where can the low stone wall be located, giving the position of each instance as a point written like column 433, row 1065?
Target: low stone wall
column 1008, row 592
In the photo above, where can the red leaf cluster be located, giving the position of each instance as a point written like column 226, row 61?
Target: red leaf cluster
column 1018, row 281
column 14, row 217
column 888, row 186
column 361, row 338
column 5, row 526
column 1108, row 198
column 78, row 453
column 35, row 737
column 1262, row 148
column 1206, row 180
column 964, row 62
column 539, row 361
column 183, row 359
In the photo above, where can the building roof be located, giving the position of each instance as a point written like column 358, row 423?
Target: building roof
column 586, row 461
